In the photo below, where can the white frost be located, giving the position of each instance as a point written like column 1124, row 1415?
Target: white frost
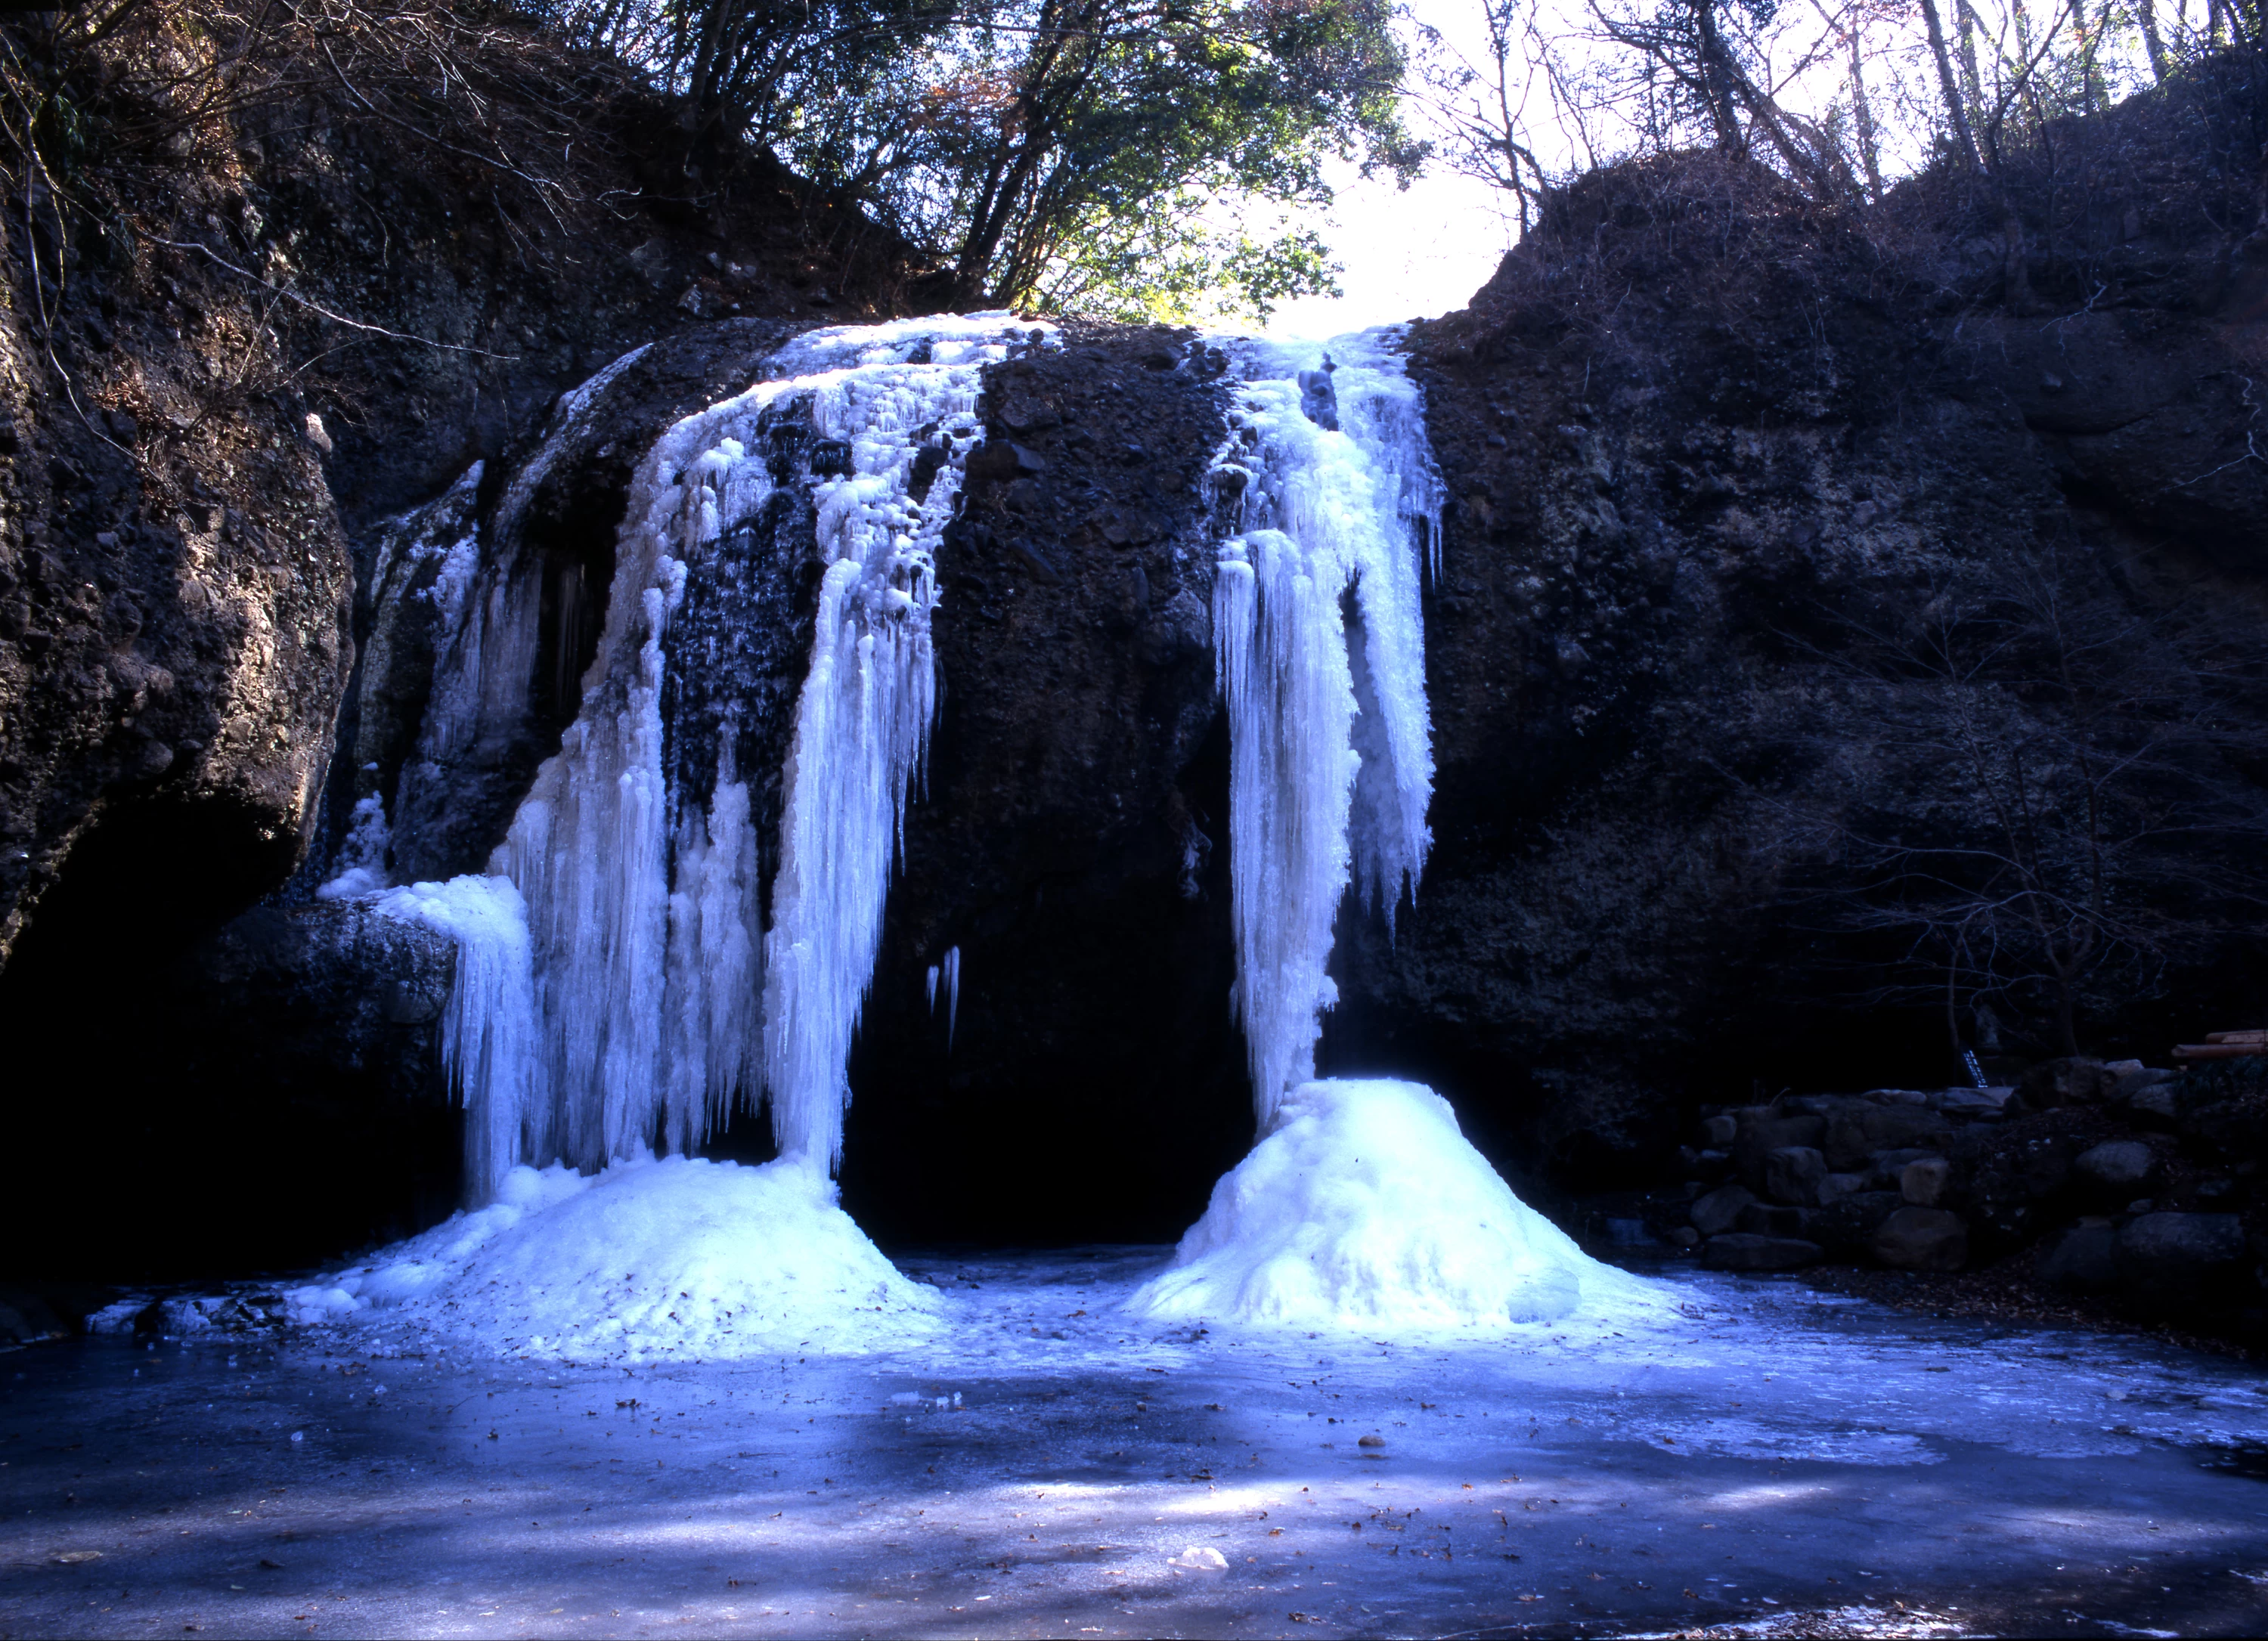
column 675, row 1258
column 1367, row 1208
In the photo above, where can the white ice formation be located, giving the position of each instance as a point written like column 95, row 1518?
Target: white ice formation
column 1362, row 1205
column 947, row 974
column 649, row 1260
column 661, row 991
column 619, row 981
column 489, row 1029
column 1365, row 1208
column 1321, row 639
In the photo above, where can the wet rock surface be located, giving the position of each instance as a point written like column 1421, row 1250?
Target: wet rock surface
column 1070, row 840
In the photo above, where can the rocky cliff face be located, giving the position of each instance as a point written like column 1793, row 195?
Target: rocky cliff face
column 1718, row 466
column 1721, row 468
column 231, row 347
column 235, row 343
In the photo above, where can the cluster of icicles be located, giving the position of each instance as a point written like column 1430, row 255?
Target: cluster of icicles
column 617, row 982
column 619, row 985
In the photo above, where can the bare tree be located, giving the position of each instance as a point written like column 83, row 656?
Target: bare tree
column 2073, row 818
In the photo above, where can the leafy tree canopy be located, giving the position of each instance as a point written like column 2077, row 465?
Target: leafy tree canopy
column 1081, row 154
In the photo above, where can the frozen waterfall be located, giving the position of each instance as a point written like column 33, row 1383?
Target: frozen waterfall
column 660, row 981
column 1362, row 1205
column 1320, row 634
column 688, row 907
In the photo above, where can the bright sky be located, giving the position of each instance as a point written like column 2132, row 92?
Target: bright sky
column 1420, row 253
column 1408, row 254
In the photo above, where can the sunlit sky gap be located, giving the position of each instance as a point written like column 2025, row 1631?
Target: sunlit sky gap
column 1423, row 251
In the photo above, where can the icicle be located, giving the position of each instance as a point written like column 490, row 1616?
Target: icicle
column 643, row 898
column 1320, row 639
column 932, row 988
column 952, row 993
column 490, row 625
column 490, row 1032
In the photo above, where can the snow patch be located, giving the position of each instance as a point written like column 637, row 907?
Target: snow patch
column 1365, row 1208
column 652, row 1259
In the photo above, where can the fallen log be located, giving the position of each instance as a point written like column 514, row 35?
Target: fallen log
column 2236, row 1036
column 2220, row 1050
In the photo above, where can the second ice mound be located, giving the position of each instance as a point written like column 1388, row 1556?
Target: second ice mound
column 1364, row 1207
column 650, row 1259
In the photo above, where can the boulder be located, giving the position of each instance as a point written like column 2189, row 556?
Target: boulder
column 1761, row 1133
column 2169, row 1257
column 1974, row 1102
column 1772, row 1219
column 1926, row 1181
column 2082, row 1258
column 1889, row 1166
column 1863, row 1128
column 1718, row 1132
column 1742, row 1250
column 1836, row 1187
column 1901, row 1096
column 2121, row 1166
column 2014, row 1176
column 2073, row 1081
column 1922, row 1239
column 2134, row 1076
column 1793, row 1175
column 1845, row 1227
column 1717, row 1211
column 2154, row 1104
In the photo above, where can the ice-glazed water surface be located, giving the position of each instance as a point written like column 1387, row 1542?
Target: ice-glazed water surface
column 1756, row 1455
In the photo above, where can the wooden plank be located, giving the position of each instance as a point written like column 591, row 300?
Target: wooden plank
column 2220, row 1050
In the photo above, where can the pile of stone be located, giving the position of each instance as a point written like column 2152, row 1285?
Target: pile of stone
column 2130, row 1182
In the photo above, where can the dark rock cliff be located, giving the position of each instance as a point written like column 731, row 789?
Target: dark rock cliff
column 1719, row 464
column 231, row 346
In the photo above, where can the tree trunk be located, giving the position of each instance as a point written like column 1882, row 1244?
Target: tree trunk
column 1717, row 80
column 2067, row 1014
column 1972, row 81
column 1963, row 138
column 1862, row 119
column 1952, row 1012
column 2146, row 12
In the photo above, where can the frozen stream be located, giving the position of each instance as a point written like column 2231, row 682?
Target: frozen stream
column 1769, row 1458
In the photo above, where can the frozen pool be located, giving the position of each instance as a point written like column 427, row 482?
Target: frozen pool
column 1765, row 1456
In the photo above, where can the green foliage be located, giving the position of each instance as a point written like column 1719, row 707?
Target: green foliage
column 1050, row 150
column 1173, row 261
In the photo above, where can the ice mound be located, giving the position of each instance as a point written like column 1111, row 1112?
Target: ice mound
column 649, row 1259
column 1365, row 1208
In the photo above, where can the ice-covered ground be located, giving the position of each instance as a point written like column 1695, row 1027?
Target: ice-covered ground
column 1764, row 1457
